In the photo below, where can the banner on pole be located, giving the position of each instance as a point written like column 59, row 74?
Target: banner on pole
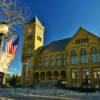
column 5, row 60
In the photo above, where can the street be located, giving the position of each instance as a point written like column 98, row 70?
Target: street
column 80, row 97
column 42, row 98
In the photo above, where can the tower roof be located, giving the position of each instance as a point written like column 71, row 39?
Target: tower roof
column 35, row 19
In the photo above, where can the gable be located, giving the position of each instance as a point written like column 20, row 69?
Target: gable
column 83, row 37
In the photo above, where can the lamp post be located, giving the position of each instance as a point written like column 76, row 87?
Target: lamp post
column 3, row 32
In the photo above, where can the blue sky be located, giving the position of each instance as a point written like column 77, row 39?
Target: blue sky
column 61, row 19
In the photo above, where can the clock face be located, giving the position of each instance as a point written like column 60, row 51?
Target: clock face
column 30, row 30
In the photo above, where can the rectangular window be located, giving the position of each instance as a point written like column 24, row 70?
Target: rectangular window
column 74, row 60
column 30, row 65
column 28, row 46
column 39, row 38
column 84, row 59
column 97, row 74
column 52, row 60
column 40, row 61
column 85, row 73
column 58, row 59
column 46, row 61
column 74, row 74
column 95, row 58
column 29, row 37
column 64, row 60
column 29, row 51
column 76, row 41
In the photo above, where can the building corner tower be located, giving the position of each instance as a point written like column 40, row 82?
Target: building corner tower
column 33, row 40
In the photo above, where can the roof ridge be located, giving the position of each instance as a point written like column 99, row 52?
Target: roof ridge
column 82, row 28
column 59, row 40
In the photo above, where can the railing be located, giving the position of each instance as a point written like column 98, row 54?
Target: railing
column 20, row 92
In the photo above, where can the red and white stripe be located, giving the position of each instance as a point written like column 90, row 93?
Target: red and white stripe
column 11, row 49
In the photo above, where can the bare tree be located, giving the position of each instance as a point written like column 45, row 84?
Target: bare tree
column 11, row 14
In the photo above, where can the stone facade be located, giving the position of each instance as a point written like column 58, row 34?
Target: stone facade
column 71, row 60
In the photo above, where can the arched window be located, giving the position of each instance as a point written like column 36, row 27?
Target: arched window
column 48, row 75
column 56, row 75
column 42, row 75
column 73, row 57
column 83, row 56
column 63, row 75
column 95, row 57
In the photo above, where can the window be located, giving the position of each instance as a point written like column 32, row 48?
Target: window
column 97, row 75
column 29, row 46
column 87, row 40
column 30, row 64
column 39, row 38
column 79, row 41
column 74, row 74
column 95, row 57
column 29, row 37
column 82, row 40
column 58, row 59
column 85, row 73
column 46, row 61
column 64, row 59
column 83, row 56
column 29, row 51
column 52, row 60
column 73, row 57
column 40, row 61
column 76, row 41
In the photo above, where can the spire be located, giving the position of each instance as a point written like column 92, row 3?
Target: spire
column 36, row 20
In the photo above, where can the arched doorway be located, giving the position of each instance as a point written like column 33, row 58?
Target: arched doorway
column 56, row 75
column 49, row 75
column 63, row 75
column 42, row 75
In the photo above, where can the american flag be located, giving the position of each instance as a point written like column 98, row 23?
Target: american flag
column 11, row 45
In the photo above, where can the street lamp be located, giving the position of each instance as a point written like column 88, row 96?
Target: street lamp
column 4, row 29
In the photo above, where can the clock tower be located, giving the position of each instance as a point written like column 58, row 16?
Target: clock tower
column 34, row 33
column 33, row 40
column 39, row 34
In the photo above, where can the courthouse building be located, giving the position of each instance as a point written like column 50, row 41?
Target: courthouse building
column 70, row 59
